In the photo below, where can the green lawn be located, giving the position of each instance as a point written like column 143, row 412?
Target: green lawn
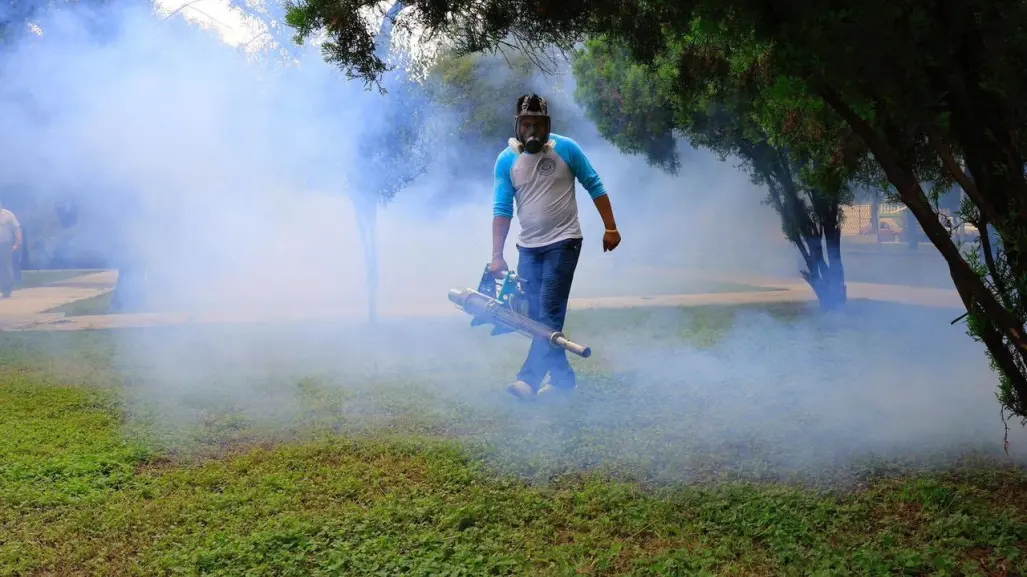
column 326, row 450
column 37, row 278
column 98, row 305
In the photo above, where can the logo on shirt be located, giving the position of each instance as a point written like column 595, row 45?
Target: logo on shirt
column 546, row 166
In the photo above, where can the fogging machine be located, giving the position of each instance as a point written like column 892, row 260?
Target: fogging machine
column 504, row 304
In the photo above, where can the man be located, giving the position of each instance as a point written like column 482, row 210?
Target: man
column 10, row 243
column 538, row 170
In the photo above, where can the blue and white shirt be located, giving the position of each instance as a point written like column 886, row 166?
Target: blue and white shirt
column 543, row 186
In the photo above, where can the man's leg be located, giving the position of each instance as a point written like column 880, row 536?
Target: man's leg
column 6, row 269
column 558, row 266
column 529, row 267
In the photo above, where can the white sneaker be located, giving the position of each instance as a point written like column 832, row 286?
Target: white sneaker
column 521, row 390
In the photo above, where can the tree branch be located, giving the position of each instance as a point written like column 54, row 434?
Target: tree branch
column 989, row 261
column 949, row 162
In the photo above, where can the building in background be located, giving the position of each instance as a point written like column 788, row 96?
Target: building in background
column 873, row 220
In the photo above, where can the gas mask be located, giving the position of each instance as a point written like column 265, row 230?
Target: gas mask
column 535, row 137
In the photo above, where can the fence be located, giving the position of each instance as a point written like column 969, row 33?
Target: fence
column 857, row 219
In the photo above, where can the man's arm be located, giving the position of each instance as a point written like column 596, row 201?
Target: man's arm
column 589, row 179
column 502, row 206
column 605, row 211
column 500, row 229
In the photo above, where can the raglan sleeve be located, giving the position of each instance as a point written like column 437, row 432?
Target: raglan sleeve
column 583, row 170
column 503, row 194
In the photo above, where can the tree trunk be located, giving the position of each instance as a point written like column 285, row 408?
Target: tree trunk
column 365, row 202
column 826, row 276
column 912, row 231
column 805, row 229
column 837, row 291
column 367, row 215
column 130, row 292
column 875, row 217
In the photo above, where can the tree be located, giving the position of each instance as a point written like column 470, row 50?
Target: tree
column 922, row 105
column 934, row 90
column 397, row 157
column 641, row 111
column 473, row 98
column 393, row 141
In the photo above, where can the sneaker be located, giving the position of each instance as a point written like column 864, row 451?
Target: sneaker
column 549, row 390
column 521, row 390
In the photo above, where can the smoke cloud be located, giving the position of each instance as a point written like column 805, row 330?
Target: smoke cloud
column 232, row 175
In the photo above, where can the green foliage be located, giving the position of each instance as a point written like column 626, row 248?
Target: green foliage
column 627, row 102
column 353, row 44
column 468, row 26
column 641, row 108
column 473, row 98
column 477, row 94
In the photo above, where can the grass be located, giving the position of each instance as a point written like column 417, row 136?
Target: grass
column 98, row 305
column 38, row 278
column 311, row 451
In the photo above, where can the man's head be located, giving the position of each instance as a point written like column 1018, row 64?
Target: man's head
column 532, row 122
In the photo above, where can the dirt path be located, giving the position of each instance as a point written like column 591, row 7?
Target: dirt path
column 25, row 310
column 29, row 302
column 922, row 296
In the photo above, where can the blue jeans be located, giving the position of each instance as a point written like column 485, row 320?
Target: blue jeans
column 547, row 273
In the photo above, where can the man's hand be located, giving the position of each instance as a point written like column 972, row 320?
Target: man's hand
column 16, row 248
column 610, row 240
column 498, row 267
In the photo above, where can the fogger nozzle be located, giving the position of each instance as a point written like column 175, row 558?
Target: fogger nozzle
column 488, row 309
column 458, row 296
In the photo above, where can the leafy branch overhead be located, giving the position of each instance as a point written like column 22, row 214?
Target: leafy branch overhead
column 532, row 28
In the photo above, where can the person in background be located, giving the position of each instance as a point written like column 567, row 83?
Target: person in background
column 10, row 243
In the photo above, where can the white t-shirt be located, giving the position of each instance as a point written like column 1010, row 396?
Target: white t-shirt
column 543, row 187
column 9, row 225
